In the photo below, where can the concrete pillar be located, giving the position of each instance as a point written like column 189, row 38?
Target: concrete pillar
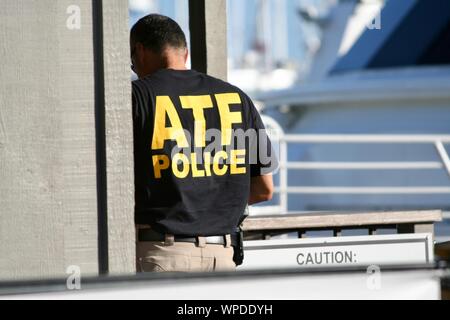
column 48, row 140
column 119, row 138
column 208, row 29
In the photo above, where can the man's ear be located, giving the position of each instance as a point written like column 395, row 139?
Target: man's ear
column 141, row 54
column 186, row 55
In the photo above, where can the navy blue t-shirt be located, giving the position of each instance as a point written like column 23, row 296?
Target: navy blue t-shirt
column 197, row 143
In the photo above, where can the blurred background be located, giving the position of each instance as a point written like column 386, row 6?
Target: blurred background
column 271, row 45
column 370, row 76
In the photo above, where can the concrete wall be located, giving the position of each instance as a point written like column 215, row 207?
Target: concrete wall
column 119, row 138
column 216, row 38
column 48, row 182
column 208, row 32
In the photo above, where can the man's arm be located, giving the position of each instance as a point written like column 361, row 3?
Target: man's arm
column 261, row 189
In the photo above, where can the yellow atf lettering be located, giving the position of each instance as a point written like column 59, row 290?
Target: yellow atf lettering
column 161, row 133
column 227, row 117
column 198, row 104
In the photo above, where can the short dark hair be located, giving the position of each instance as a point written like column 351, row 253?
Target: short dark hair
column 157, row 32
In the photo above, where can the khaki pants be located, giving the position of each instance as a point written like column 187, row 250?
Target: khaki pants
column 183, row 257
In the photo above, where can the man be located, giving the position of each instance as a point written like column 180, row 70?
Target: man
column 192, row 182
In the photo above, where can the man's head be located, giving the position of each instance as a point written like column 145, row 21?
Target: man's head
column 157, row 42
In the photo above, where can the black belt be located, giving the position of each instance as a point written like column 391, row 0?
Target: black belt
column 150, row 235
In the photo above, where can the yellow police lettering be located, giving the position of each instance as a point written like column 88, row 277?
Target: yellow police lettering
column 177, row 158
column 207, row 162
column 160, row 163
column 196, row 173
column 197, row 164
column 237, row 157
column 220, row 157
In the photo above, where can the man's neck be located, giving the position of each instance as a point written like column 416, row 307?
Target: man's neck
column 173, row 59
column 174, row 64
column 176, row 67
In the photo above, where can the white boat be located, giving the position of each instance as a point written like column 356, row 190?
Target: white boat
column 370, row 129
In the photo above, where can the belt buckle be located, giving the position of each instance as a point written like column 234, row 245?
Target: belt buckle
column 169, row 240
column 222, row 240
column 201, row 241
column 215, row 240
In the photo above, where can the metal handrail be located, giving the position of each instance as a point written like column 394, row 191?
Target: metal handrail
column 285, row 139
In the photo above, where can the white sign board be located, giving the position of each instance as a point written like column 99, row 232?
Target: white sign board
column 338, row 251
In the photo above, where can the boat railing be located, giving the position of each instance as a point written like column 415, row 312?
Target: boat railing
column 285, row 140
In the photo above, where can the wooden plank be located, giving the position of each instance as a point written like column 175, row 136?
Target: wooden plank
column 119, row 138
column 48, row 165
column 339, row 219
column 208, row 31
column 48, row 203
